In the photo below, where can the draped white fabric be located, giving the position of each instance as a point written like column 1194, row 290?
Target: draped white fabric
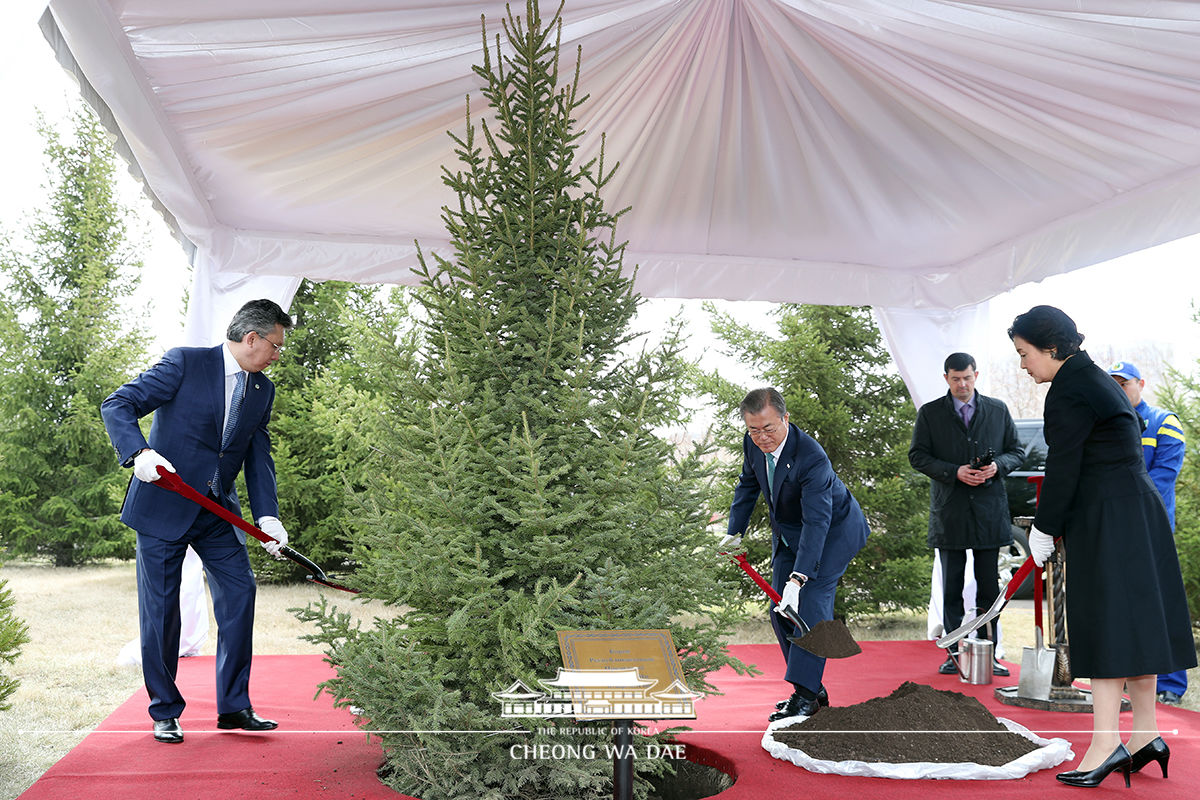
column 919, row 156
column 910, row 155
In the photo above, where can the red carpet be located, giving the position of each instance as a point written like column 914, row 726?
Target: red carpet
column 880, row 668
column 317, row 752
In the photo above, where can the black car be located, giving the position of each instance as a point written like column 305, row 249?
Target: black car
column 1022, row 500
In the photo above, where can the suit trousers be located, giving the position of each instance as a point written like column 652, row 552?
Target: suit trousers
column 231, row 582
column 987, row 587
column 816, row 605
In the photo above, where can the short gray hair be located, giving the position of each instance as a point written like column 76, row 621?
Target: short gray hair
column 758, row 399
column 260, row 316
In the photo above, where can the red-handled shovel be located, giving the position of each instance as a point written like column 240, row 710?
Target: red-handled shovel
column 1014, row 583
column 836, row 641
column 964, row 630
column 169, row 480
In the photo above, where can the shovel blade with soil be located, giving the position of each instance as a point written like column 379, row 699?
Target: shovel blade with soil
column 828, row 639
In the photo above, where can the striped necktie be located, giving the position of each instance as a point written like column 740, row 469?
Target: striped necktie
column 231, row 423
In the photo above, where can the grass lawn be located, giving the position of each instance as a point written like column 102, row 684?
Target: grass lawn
column 79, row 619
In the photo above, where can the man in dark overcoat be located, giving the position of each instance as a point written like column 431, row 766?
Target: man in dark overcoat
column 966, row 443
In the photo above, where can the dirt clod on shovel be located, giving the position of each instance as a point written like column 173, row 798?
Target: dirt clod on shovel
column 829, row 638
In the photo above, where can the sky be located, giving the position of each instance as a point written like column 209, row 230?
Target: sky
column 31, row 81
column 1143, row 300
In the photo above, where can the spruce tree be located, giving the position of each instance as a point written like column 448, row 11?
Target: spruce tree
column 841, row 388
column 323, row 387
column 13, row 634
column 62, row 350
column 520, row 488
column 1180, row 392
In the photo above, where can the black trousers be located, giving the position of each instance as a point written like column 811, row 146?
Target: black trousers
column 987, row 588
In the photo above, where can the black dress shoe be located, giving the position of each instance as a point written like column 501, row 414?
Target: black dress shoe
column 1156, row 750
column 168, row 731
column 822, row 699
column 796, row 706
column 999, row 669
column 1169, row 698
column 1119, row 760
column 948, row 667
column 247, row 720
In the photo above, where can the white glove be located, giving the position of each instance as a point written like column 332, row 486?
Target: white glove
column 1041, row 546
column 790, row 599
column 146, row 464
column 732, row 543
column 274, row 528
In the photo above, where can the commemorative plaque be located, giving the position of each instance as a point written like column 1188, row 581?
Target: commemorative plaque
column 623, row 675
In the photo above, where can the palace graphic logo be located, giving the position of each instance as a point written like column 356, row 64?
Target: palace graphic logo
column 598, row 693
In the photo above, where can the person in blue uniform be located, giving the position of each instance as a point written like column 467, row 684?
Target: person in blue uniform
column 1127, row 613
column 1163, row 446
column 816, row 528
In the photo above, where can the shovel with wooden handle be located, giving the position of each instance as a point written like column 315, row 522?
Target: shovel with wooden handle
column 171, row 481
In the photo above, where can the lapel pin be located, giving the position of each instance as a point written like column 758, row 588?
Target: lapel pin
column 256, row 386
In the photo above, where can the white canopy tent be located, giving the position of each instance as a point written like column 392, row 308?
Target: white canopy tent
column 917, row 156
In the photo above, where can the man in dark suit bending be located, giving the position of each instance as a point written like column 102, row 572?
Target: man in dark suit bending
column 816, row 528
column 211, row 408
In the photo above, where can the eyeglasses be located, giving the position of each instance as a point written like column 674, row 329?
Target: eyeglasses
column 766, row 430
column 278, row 347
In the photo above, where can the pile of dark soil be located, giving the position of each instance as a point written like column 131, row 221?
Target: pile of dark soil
column 914, row 723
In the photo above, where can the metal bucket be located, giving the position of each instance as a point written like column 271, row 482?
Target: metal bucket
column 975, row 661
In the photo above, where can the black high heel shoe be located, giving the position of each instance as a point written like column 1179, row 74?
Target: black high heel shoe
column 1157, row 750
column 1119, row 760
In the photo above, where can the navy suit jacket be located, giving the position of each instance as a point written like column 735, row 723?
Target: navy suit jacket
column 810, row 508
column 186, row 392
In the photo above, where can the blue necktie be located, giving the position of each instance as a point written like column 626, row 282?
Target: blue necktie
column 966, row 415
column 235, row 413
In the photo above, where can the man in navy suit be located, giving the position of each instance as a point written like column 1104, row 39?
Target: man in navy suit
column 211, row 408
column 816, row 528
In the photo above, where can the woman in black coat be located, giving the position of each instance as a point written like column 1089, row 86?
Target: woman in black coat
column 1127, row 616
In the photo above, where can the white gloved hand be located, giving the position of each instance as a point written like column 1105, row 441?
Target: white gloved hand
column 732, row 543
column 790, row 598
column 274, row 528
column 1041, row 546
column 146, row 464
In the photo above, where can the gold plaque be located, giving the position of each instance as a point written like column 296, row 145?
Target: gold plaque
column 622, row 675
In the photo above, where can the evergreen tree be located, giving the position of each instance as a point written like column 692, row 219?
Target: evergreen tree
column 841, row 388
column 62, row 350
column 324, row 389
column 1180, row 392
column 13, row 634
column 520, row 489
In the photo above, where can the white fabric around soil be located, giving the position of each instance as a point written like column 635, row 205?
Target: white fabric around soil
column 1051, row 753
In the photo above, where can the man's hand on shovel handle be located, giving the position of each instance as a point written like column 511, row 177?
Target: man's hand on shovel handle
column 791, row 596
column 273, row 528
